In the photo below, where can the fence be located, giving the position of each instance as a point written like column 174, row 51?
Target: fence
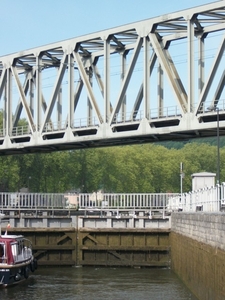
column 125, row 201
column 211, row 199
column 31, row 201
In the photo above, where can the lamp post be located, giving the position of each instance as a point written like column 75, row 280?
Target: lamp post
column 218, row 146
column 181, row 178
column 215, row 108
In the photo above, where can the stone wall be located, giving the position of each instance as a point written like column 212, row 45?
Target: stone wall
column 198, row 253
column 208, row 228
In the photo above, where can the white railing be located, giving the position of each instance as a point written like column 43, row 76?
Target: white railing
column 125, row 201
column 32, row 201
column 209, row 199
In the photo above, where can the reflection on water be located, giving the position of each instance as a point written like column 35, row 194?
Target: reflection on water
column 99, row 283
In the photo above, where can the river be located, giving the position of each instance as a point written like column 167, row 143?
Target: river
column 70, row 283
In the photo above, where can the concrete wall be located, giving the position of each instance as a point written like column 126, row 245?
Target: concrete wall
column 208, row 228
column 123, row 222
column 198, row 252
column 45, row 220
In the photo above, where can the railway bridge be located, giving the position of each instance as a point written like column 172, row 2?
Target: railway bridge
column 153, row 80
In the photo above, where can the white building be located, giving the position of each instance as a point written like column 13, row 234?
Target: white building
column 202, row 180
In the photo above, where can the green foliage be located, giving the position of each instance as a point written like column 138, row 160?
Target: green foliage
column 147, row 168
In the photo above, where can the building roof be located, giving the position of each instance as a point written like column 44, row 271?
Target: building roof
column 204, row 174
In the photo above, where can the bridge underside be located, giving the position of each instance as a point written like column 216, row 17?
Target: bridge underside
column 155, row 80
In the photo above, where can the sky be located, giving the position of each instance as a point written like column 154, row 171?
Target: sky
column 27, row 24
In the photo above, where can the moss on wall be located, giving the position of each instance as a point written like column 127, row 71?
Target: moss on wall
column 200, row 266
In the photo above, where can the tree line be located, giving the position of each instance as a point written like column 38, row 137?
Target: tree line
column 144, row 168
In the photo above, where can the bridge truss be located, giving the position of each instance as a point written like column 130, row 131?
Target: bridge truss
column 154, row 80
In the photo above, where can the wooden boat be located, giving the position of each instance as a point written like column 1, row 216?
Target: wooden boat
column 16, row 259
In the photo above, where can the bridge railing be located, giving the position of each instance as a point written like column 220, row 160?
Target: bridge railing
column 119, row 118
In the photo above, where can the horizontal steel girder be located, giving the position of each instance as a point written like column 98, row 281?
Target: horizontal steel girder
column 148, row 81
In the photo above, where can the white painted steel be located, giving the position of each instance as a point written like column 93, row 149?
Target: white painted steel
column 143, row 82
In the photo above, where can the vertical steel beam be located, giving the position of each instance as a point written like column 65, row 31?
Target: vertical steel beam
column 123, row 72
column 3, row 82
column 191, row 72
column 77, row 93
column 98, row 76
column 160, row 91
column 201, row 63
column 31, row 93
column 7, row 103
column 89, row 105
column 139, row 97
column 38, row 92
column 70, row 90
column 146, row 79
column 107, row 80
column 59, row 108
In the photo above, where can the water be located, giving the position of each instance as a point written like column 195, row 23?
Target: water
column 99, row 283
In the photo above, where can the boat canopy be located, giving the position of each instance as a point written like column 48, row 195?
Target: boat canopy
column 6, row 255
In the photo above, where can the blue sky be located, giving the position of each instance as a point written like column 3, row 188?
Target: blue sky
column 28, row 24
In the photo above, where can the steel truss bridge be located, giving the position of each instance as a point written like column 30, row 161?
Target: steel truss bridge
column 154, row 80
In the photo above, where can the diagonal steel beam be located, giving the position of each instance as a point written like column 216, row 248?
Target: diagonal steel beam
column 20, row 105
column 3, row 81
column 127, row 78
column 23, row 98
column 168, row 67
column 139, row 97
column 212, row 73
column 56, row 88
column 87, row 84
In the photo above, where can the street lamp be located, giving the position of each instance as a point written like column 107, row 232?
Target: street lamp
column 181, row 178
column 215, row 108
